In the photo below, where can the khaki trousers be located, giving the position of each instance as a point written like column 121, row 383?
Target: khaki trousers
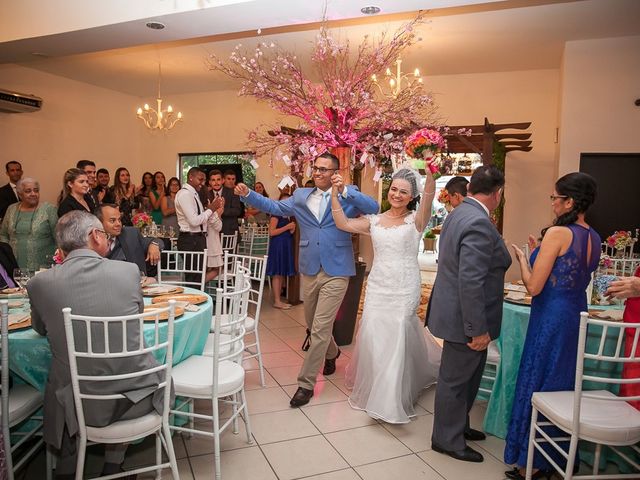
column 323, row 295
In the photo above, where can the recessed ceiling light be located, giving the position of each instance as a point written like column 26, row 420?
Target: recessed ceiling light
column 155, row 25
column 370, row 10
column 39, row 54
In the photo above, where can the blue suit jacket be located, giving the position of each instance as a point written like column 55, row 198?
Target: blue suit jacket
column 322, row 245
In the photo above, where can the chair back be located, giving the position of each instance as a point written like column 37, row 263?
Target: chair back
column 259, row 243
column 4, row 383
column 603, row 352
column 620, row 267
column 188, row 269
column 229, row 242
column 257, row 270
column 230, row 315
column 91, row 339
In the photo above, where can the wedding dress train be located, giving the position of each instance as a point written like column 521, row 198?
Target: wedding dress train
column 395, row 356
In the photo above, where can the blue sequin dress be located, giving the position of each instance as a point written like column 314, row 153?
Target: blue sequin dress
column 548, row 361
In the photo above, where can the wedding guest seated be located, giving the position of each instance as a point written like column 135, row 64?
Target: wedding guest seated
column 8, row 264
column 253, row 214
column 75, row 283
column 456, row 187
column 75, row 192
column 126, row 243
column 29, row 227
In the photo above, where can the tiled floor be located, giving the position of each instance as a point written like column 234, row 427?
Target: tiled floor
column 326, row 439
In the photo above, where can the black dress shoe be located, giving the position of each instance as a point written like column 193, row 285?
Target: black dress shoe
column 516, row 475
column 474, row 435
column 330, row 365
column 301, row 397
column 466, row 455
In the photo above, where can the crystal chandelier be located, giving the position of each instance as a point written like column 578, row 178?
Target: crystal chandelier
column 395, row 81
column 158, row 118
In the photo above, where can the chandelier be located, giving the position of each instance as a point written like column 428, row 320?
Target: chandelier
column 157, row 118
column 395, row 81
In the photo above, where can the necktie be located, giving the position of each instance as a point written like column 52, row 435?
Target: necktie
column 199, row 210
column 324, row 201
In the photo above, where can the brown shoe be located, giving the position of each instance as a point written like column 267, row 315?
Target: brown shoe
column 330, row 365
column 301, row 397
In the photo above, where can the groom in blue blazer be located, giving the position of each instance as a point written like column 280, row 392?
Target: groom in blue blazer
column 325, row 262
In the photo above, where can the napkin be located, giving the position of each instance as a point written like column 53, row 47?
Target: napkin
column 18, row 317
column 159, row 290
column 614, row 315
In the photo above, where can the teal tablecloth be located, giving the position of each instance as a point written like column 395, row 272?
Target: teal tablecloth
column 30, row 356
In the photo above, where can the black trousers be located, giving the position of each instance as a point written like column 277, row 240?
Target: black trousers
column 460, row 375
column 192, row 243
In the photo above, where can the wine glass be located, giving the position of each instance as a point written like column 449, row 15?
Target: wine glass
column 20, row 277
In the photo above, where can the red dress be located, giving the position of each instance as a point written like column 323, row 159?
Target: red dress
column 631, row 370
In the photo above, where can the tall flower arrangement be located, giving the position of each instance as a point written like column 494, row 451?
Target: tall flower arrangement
column 344, row 107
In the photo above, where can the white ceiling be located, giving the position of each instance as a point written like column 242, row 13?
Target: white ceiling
column 502, row 36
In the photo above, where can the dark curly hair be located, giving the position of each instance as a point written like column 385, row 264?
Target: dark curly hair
column 580, row 187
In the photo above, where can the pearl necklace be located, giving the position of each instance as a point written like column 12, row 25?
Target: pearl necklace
column 396, row 216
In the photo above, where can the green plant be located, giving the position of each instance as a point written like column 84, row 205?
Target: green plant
column 429, row 234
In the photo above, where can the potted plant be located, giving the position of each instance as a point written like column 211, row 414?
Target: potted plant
column 429, row 240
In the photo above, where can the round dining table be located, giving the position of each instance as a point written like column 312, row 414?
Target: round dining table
column 30, row 355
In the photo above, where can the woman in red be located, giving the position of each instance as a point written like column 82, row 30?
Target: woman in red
column 629, row 288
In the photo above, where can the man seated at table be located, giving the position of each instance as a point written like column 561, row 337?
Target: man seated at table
column 126, row 243
column 90, row 285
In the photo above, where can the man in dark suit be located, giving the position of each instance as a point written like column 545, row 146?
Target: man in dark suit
column 90, row 285
column 127, row 244
column 233, row 207
column 466, row 309
column 8, row 193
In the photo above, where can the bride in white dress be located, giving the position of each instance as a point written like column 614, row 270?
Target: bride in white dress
column 395, row 356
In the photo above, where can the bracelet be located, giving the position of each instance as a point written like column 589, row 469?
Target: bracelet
column 429, row 193
column 336, row 209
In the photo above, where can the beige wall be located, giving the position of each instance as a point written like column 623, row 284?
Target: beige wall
column 600, row 82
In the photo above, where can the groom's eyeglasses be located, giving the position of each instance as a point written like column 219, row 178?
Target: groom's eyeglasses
column 553, row 198
column 323, row 170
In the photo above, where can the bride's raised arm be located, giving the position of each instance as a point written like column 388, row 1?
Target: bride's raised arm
column 352, row 225
column 424, row 211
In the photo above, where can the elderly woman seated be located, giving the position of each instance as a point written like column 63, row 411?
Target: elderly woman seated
column 29, row 227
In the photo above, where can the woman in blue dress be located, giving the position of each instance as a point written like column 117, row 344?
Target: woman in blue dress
column 280, row 261
column 562, row 267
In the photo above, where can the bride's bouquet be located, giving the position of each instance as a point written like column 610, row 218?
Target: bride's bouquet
column 423, row 145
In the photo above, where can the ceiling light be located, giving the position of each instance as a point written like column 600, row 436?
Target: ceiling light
column 370, row 10
column 158, row 119
column 155, row 25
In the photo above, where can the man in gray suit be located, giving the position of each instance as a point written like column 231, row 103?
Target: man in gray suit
column 90, row 285
column 466, row 309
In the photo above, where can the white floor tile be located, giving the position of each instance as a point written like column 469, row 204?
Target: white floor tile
column 303, row 457
column 285, row 375
column 452, row 469
column 184, row 470
column 347, row 474
column 364, row 445
column 252, row 380
column 409, row 467
column 279, row 426
column 281, row 320
column 427, row 398
column 297, row 332
column 267, row 400
column 243, row 464
column 416, row 434
column 332, row 417
column 281, row 359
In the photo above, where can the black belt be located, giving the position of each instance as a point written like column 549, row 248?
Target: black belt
column 199, row 234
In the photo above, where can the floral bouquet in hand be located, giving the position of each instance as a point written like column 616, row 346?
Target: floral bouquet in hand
column 425, row 144
column 141, row 219
column 58, row 257
column 620, row 240
column 443, row 197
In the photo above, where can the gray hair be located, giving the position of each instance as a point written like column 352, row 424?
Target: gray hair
column 20, row 183
column 72, row 230
column 410, row 176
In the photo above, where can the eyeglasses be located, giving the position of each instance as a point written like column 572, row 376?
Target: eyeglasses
column 322, row 169
column 107, row 235
column 554, row 197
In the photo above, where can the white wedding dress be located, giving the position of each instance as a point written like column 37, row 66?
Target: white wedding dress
column 395, row 356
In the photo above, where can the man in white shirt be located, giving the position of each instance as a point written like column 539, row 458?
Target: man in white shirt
column 8, row 193
column 192, row 215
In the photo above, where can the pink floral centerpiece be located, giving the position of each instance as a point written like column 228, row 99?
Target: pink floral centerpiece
column 620, row 240
column 141, row 220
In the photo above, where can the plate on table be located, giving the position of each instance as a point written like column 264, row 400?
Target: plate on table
column 18, row 321
column 155, row 290
column 179, row 311
column 194, row 298
column 519, row 298
column 12, row 293
column 612, row 315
